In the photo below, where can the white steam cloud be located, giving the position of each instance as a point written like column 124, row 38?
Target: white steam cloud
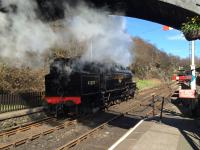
column 22, row 34
column 105, row 35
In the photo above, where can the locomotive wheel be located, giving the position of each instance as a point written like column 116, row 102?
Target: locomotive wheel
column 118, row 101
column 115, row 102
column 59, row 110
column 112, row 102
column 107, row 105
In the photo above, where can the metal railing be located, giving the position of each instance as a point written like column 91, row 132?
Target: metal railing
column 12, row 102
column 157, row 104
column 156, row 98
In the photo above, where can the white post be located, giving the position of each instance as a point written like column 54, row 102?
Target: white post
column 193, row 82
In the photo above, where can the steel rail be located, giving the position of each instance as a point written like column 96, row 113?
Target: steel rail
column 16, row 143
column 87, row 134
column 91, row 132
column 24, row 127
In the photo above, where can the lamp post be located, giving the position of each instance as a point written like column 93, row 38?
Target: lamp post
column 193, row 82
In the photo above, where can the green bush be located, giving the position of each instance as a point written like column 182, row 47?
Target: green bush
column 191, row 24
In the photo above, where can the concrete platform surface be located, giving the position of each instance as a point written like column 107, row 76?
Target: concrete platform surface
column 174, row 133
column 20, row 113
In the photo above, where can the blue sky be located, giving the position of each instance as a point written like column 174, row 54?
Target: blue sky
column 171, row 41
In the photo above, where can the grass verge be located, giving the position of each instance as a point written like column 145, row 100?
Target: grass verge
column 145, row 84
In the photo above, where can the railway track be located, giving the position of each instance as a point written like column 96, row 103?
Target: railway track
column 24, row 127
column 142, row 99
column 165, row 93
column 100, row 127
column 87, row 134
column 27, row 137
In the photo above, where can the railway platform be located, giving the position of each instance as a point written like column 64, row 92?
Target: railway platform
column 173, row 132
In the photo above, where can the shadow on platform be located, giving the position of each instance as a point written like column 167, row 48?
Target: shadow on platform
column 189, row 128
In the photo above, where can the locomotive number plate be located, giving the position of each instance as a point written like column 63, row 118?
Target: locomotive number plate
column 91, row 82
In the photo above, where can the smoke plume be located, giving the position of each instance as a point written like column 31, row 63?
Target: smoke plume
column 22, row 33
column 104, row 34
column 25, row 38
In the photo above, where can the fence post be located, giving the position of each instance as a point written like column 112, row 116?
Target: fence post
column 1, row 104
column 6, row 101
column 153, row 106
column 161, row 111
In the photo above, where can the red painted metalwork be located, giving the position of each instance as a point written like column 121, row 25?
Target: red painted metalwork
column 182, row 78
column 57, row 100
column 186, row 93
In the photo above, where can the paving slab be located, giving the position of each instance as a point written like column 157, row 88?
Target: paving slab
column 173, row 133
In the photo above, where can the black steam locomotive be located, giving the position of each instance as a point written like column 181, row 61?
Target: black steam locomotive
column 85, row 87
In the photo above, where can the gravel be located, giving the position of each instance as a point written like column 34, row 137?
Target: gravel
column 63, row 136
column 13, row 122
